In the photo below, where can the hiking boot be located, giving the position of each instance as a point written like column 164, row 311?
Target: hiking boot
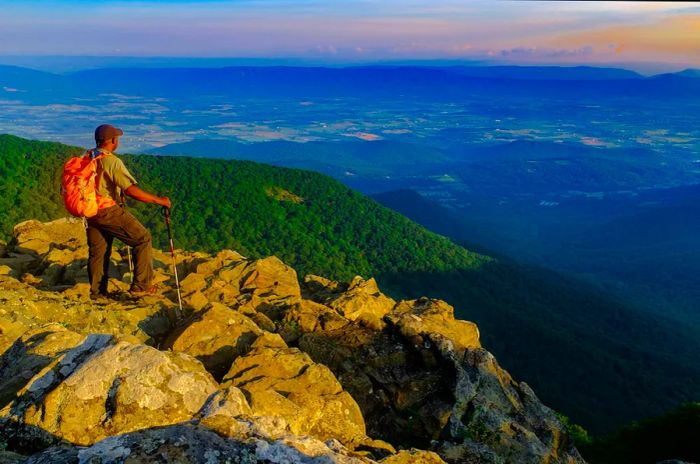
column 99, row 297
column 104, row 297
column 139, row 292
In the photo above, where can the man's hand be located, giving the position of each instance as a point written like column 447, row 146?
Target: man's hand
column 141, row 195
column 164, row 201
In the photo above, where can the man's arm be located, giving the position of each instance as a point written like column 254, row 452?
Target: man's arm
column 140, row 195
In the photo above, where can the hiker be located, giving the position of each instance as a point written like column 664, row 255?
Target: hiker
column 113, row 220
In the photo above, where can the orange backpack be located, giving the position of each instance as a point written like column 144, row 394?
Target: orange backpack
column 78, row 186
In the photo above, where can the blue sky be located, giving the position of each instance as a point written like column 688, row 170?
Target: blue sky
column 359, row 31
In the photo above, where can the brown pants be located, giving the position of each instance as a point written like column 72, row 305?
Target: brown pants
column 117, row 222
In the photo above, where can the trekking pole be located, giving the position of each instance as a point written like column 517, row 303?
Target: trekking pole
column 131, row 263
column 166, row 213
column 128, row 248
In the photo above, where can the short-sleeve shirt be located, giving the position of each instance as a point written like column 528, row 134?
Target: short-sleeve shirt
column 112, row 177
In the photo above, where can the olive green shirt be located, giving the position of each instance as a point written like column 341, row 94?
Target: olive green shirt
column 112, row 177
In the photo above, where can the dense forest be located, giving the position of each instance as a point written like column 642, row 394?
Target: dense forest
column 673, row 435
column 596, row 360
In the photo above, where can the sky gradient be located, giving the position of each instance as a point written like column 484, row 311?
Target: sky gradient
column 636, row 35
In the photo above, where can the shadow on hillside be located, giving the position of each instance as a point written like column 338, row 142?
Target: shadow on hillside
column 584, row 354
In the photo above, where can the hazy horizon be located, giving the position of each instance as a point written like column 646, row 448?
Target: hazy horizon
column 66, row 63
column 648, row 37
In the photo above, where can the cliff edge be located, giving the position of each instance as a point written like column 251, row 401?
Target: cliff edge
column 262, row 368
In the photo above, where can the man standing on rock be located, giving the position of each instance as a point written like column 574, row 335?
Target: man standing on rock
column 113, row 180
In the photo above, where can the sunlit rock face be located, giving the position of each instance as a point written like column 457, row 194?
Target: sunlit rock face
column 259, row 368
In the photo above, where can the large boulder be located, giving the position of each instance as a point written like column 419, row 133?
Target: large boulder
column 494, row 417
column 105, row 387
column 357, row 300
column 426, row 320
column 287, row 383
column 215, row 335
column 265, row 285
column 309, row 316
column 38, row 238
column 31, row 353
column 211, row 265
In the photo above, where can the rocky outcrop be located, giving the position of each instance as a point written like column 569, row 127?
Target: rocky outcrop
column 103, row 387
column 426, row 379
column 216, row 336
column 260, row 369
column 286, row 382
column 359, row 300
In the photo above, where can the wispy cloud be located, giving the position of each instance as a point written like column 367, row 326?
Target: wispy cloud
column 357, row 30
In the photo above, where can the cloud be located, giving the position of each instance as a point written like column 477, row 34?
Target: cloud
column 361, row 30
column 670, row 39
column 535, row 52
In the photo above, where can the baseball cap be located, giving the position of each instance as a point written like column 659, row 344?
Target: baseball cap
column 106, row 132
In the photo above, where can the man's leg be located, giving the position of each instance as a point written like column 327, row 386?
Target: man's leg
column 143, row 252
column 121, row 224
column 104, row 283
column 100, row 247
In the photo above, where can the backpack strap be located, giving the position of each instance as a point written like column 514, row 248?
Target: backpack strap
column 102, row 202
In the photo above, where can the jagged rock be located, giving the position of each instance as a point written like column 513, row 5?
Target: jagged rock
column 309, row 316
column 403, row 394
column 195, row 300
column 493, row 416
column 106, row 387
column 270, row 277
column 427, row 320
column 269, row 340
column 229, row 401
column 222, row 258
column 190, row 442
column 357, row 300
column 194, row 282
column 215, row 335
column 38, row 238
column 269, row 285
column 413, row 393
column 286, row 382
column 31, row 353
column 55, row 254
column 26, row 308
column 413, row 456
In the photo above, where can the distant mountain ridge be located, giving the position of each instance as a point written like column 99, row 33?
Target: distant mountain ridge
column 417, row 82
